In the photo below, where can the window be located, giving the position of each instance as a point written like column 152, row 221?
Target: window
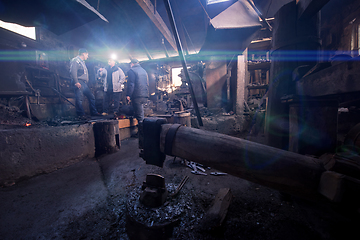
column 355, row 37
column 215, row 1
column 24, row 31
column 176, row 80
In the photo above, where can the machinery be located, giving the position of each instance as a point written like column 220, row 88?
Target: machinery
column 332, row 178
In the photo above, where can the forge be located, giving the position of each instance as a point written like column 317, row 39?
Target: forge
column 154, row 211
column 251, row 130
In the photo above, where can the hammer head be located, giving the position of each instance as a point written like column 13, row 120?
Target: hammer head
column 151, row 144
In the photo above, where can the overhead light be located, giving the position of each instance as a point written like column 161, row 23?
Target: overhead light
column 113, row 56
column 215, row 1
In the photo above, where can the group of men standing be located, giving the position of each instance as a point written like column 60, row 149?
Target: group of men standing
column 137, row 91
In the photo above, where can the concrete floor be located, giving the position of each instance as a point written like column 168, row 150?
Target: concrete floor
column 88, row 201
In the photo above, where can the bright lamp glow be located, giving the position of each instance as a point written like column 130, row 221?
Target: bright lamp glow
column 113, row 56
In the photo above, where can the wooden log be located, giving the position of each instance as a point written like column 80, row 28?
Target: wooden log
column 282, row 170
column 215, row 216
column 107, row 137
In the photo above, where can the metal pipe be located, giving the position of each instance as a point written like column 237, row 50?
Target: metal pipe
column 61, row 95
column 182, row 58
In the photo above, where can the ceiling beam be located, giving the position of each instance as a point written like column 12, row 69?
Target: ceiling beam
column 154, row 16
column 308, row 8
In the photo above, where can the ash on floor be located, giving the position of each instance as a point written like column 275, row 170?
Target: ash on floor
column 89, row 201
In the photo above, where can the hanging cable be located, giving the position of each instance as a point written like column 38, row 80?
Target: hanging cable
column 204, row 10
column 189, row 38
column 259, row 14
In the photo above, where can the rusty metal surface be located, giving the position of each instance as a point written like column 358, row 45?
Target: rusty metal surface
column 231, row 31
column 238, row 15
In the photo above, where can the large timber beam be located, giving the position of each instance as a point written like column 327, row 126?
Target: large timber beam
column 337, row 79
column 308, row 8
column 275, row 168
column 149, row 9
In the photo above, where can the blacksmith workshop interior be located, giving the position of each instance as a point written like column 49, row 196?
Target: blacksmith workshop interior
column 251, row 128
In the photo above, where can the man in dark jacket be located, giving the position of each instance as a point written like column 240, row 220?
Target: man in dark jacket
column 80, row 76
column 137, row 88
column 114, row 79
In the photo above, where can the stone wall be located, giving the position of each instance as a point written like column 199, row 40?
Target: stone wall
column 29, row 152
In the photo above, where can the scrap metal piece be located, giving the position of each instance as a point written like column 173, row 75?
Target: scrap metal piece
column 88, row 6
column 189, row 165
column 200, row 168
column 198, row 173
column 194, row 166
column 182, row 183
column 218, row 173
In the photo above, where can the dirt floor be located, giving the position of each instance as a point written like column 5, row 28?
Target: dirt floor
column 93, row 199
column 89, row 200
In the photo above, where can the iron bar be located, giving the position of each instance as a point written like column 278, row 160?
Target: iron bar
column 182, row 58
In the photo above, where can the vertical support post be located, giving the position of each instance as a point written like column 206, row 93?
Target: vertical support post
column 313, row 126
column 241, row 83
column 216, row 74
column 182, row 58
column 291, row 39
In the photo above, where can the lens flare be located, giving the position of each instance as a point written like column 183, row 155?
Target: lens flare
column 113, row 56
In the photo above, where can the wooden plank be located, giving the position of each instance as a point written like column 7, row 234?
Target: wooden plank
column 215, row 216
column 263, row 86
column 154, row 16
column 260, row 65
column 331, row 186
column 124, row 123
column 308, row 8
column 340, row 188
column 264, row 44
column 338, row 79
